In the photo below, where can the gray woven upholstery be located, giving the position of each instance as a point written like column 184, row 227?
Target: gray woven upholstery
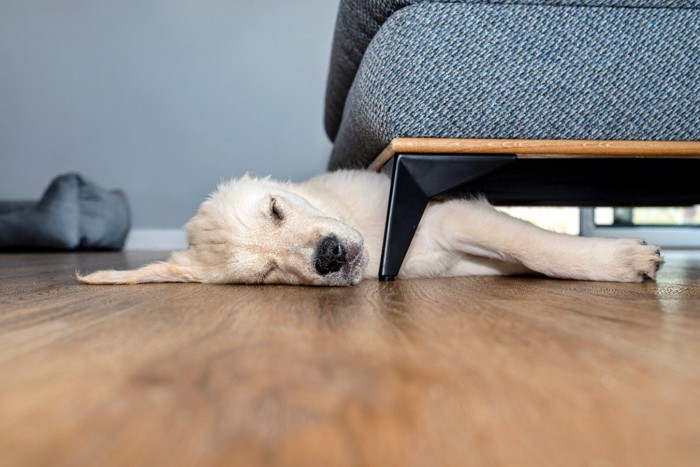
column 577, row 69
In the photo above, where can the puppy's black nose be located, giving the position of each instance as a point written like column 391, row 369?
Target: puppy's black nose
column 330, row 255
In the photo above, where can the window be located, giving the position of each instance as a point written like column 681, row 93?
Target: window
column 670, row 227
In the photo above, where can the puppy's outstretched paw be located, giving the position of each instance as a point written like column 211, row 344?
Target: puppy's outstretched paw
column 638, row 260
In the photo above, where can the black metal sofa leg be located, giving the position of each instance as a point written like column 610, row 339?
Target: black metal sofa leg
column 416, row 179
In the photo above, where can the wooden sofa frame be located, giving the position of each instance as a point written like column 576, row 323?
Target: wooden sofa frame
column 530, row 173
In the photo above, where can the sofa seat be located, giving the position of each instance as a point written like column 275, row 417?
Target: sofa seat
column 527, row 69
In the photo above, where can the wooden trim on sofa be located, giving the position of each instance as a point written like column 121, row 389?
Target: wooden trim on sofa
column 537, row 149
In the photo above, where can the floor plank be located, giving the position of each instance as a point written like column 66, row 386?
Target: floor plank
column 462, row 371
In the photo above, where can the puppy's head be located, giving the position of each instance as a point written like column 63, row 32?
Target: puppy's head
column 256, row 231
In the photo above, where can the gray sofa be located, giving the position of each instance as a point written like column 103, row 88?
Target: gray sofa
column 623, row 70
column 525, row 69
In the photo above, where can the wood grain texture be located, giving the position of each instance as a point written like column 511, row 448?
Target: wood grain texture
column 537, row 148
column 461, row 371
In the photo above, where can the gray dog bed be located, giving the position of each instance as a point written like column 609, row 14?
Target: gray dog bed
column 73, row 214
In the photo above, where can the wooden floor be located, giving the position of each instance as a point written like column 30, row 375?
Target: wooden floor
column 465, row 371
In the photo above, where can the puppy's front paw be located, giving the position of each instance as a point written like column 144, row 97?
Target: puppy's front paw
column 637, row 260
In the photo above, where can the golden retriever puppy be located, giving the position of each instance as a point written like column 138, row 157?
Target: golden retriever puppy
column 329, row 230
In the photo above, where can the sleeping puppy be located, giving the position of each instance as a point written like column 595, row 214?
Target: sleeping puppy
column 329, row 231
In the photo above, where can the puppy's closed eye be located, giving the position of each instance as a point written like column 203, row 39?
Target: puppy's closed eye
column 275, row 210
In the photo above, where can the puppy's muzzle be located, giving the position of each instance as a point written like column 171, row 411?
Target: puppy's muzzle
column 331, row 255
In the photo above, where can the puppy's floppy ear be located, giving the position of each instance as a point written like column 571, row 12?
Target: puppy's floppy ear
column 157, row 272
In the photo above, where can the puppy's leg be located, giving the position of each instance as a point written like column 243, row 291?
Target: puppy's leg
column 476, row 228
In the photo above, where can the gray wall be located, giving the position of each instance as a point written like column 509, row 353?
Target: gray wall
column 161, row 98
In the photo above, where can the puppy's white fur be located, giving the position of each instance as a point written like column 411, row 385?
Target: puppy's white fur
column 253, row 230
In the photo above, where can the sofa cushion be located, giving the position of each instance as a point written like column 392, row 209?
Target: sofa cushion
column 526, row 69
column 359, row 20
